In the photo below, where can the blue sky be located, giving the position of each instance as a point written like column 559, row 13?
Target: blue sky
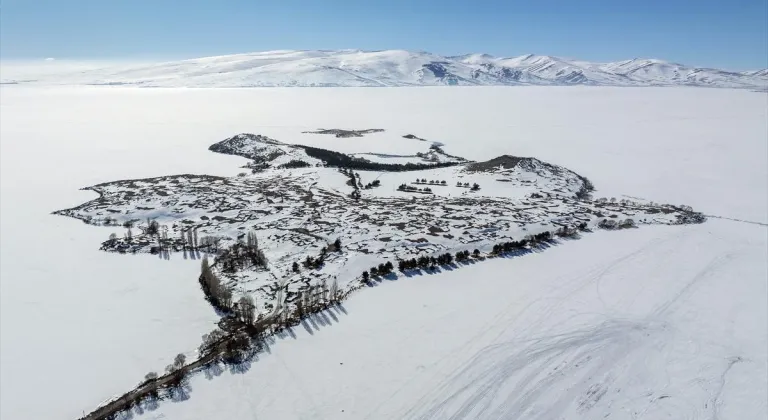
column 730, row 34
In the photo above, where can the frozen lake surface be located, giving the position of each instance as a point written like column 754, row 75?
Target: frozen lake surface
column 659, row 321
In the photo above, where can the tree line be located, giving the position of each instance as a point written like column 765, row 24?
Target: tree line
column 337, row 159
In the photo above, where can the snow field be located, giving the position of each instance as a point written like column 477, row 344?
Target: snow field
column 667, row 145
column 620, row 324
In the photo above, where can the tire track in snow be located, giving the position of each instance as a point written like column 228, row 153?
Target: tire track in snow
column 566, row 289
column 737, row 220
column 716, row 401
column 683, row 293
column 526, row 375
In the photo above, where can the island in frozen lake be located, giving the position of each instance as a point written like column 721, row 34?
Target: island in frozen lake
column 304, row 226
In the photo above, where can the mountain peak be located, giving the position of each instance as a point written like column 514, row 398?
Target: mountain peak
column 354, row 67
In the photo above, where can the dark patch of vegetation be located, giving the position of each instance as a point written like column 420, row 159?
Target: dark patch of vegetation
column 381, row 270
column 345, row 133
column 611, row 224
column 426, row 262
column 341, row 160
column 423, row 181
column 354, row 178
column 295, row 163
column 152, row 227
column 242, row 255
column 219, row 296
column 462, row 256
column 408, row 188
column 585, row 192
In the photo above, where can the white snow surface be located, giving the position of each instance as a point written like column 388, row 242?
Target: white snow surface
column 655, row 322
column 380, row 68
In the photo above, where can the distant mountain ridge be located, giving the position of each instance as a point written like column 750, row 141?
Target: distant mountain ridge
column 398, row 68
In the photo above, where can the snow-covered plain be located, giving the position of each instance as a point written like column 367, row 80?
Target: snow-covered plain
column 658, row 322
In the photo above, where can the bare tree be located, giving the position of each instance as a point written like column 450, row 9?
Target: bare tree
column 324, row 291
column 211, row 243
column 112, row 236
column 300, row 304
column 210, row 341
column 150, row 379
column 252, row 241
column 627, row 223
column 260, row 258
column 205, row 269
column 177, row 371
column 333, row 292
column 194, row 237
column 152, row 227
column 236, row 348
column 219, row 296
column 246, row 309
column 225, row 297
column 179, row 360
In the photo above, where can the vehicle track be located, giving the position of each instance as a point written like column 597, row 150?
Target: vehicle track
column 542, row 378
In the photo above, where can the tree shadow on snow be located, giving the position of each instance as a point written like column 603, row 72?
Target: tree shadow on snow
column 245, row 364
column 286, row 332
column 266, row 345
column 323, row 319
column 340, row 308
column 180, row 393
column 124, row 415
column 306, row 326
column 332, row 316
column 150, row 404
column 213, row 370
column 311, row 320
column 389, row 277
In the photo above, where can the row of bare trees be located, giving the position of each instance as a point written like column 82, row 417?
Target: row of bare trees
column 219, row 296
column 616, row 224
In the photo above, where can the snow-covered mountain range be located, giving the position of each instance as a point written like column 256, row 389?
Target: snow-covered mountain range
column 390, row 68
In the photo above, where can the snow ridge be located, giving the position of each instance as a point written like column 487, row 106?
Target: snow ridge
column 356, row 68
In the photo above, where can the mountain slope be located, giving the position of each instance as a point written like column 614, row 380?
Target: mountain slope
column 390, row 68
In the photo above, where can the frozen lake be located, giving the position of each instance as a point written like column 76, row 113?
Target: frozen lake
column 79, row 325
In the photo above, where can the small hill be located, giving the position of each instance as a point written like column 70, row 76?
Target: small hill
column 528, row 169
column 501, row 162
